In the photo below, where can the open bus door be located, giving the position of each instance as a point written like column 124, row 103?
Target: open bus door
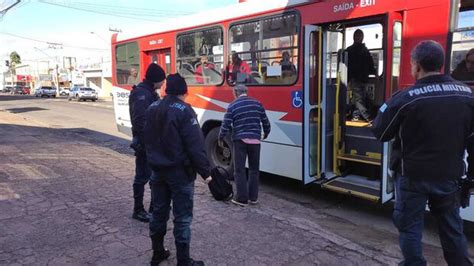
column 343, row 154
column 314, row 106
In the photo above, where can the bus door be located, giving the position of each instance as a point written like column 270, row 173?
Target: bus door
column 162, row 57
column 314, row 104
column 355, row 162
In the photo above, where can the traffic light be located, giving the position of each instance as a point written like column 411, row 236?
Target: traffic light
column 7, row 63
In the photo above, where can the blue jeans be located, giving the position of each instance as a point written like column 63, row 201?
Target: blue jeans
column 247, row 188
column 142, row 176
column 411, row 197
column 177, row 186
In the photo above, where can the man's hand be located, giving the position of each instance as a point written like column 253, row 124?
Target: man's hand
column 208, row 180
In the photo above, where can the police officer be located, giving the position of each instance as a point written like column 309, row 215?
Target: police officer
column 175, row 151
column 431, row 123
column 141, row 97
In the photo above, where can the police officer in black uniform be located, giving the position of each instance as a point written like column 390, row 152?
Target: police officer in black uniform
column 141, row 97
column 175, row 151
column 431, row 122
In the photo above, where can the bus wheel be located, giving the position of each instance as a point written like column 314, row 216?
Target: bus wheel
column 219, row 156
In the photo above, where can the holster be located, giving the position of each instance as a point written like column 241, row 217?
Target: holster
column 137, row 147
column 467, row 188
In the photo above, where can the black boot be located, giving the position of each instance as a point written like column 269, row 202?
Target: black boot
column 182, row 254
column 159, row 252
column 141, row 215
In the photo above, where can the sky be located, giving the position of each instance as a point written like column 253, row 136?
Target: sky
column 49, row 21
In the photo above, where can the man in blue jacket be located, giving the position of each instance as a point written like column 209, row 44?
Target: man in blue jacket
column 245, row 116
column 142, row 95
column 432, row 123
column 175, row 151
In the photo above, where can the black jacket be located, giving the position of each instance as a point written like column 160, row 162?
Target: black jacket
column 141, row 97
column 174, row 139
column 431, row 123
column 360, row 63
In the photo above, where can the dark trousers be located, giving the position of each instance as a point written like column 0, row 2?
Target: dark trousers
column 247, row 188
column 359, row 99
column 142, row 176
column 177, row 186
column 410, row 204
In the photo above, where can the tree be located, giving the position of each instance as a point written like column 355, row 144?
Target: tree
column 15, row 59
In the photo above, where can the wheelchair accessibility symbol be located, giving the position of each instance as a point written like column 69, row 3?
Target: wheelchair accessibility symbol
column 297, row 99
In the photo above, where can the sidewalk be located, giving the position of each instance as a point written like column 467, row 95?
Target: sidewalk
column 65, row 201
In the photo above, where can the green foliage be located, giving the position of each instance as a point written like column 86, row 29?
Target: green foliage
column 15, row 58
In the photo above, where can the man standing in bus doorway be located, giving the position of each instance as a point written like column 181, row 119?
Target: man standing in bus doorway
column 245, row 116
column 360, row 65
column 175, row 151
column 431, row 123
column 141, row 97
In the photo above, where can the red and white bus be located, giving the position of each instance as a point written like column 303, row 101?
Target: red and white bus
column 297, row 68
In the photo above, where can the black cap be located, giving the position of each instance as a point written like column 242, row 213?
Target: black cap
column 176, row 85
column 155, row 73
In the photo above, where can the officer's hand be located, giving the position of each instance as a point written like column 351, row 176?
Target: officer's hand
column 208, row 180
column 220, row 143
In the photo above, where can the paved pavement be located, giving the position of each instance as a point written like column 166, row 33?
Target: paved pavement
column 65, row 199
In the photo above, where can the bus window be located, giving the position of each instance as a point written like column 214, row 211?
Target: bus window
column 462, row 54
column 127, row 63
column 200, row 56
column 264, row 51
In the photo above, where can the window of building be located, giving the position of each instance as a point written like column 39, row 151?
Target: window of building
column 127, row 63
column 462, row 53
column 264, row 51
column 200, row 56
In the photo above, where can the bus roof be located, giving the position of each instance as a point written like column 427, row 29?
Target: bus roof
column 210, row 16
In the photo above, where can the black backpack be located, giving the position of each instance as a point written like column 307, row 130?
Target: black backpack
column 220, row 187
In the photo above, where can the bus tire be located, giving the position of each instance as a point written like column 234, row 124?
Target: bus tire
column 218, row 156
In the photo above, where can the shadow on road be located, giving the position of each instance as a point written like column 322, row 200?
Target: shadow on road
column 25, row 110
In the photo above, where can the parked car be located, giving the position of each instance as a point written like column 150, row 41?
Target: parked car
column 26, row 90
column 64, row 91
column 17, row 90
column 83, row 94
column 7, row 89
column 45, row 91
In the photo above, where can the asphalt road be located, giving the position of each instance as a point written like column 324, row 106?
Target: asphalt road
column 95, row 122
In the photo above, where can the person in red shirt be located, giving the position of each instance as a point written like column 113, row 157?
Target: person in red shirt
column 198, row 74
column 238, row 68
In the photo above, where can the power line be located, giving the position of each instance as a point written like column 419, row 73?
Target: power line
column 117, row 11
column 48, row 42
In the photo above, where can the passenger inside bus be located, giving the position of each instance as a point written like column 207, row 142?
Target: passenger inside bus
column 239, row 70
column 464, row 71
column 133, row 78
column 205, row 71
column 360, row 66
column 286, row 64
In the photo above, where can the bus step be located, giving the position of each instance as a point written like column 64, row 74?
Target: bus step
column 355, row 185
column 359, row 159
